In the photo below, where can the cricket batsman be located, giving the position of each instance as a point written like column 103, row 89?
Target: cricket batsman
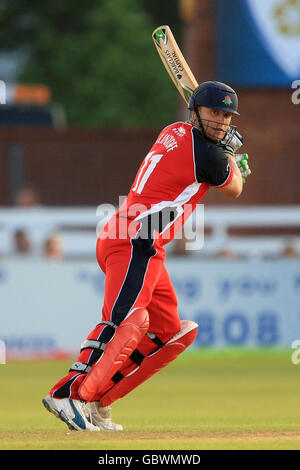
column 140, row 331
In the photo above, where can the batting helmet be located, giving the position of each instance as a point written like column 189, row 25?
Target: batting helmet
column 215, row 95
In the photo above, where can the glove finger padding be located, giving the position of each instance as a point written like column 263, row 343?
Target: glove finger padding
column 242, row 163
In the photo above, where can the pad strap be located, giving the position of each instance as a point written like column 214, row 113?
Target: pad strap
column 156, row 339
column 109, row 323
column 80, row 367
column 137, row 357
column 92, row 344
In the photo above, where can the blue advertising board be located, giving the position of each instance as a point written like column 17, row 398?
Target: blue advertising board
column 258, row 42
column 250, row 304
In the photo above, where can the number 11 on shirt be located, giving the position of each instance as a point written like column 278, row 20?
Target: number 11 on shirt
column 148, row 166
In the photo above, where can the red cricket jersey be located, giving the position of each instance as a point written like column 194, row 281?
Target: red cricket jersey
column 174, row 176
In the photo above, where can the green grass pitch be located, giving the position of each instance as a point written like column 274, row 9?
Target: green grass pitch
column 231, row 399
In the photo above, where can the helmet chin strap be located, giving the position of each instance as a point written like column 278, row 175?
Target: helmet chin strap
column 201, row 127
column 200, row 122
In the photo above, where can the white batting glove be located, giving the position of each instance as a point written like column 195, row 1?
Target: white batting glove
column 242, row 163
column 232, row 141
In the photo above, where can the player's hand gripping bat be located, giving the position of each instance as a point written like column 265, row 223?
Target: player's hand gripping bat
column 242, row 163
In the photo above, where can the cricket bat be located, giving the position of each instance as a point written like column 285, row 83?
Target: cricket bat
column 174, row 61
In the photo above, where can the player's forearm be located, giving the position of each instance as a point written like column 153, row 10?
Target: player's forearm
column 235, row 188
column 236, row 170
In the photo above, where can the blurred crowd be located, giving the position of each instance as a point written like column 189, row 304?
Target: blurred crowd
column 289, row 250
column 22, row 245
column 52, row 247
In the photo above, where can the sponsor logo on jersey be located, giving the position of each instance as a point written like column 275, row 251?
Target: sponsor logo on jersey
column 180, row 131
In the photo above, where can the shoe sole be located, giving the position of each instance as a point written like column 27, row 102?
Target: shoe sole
column 112, row 429
column 60, row 415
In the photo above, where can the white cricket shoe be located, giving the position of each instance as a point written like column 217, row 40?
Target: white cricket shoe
column 101, row 417
column 72, row 412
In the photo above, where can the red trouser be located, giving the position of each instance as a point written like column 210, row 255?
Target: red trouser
column 136, row 276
